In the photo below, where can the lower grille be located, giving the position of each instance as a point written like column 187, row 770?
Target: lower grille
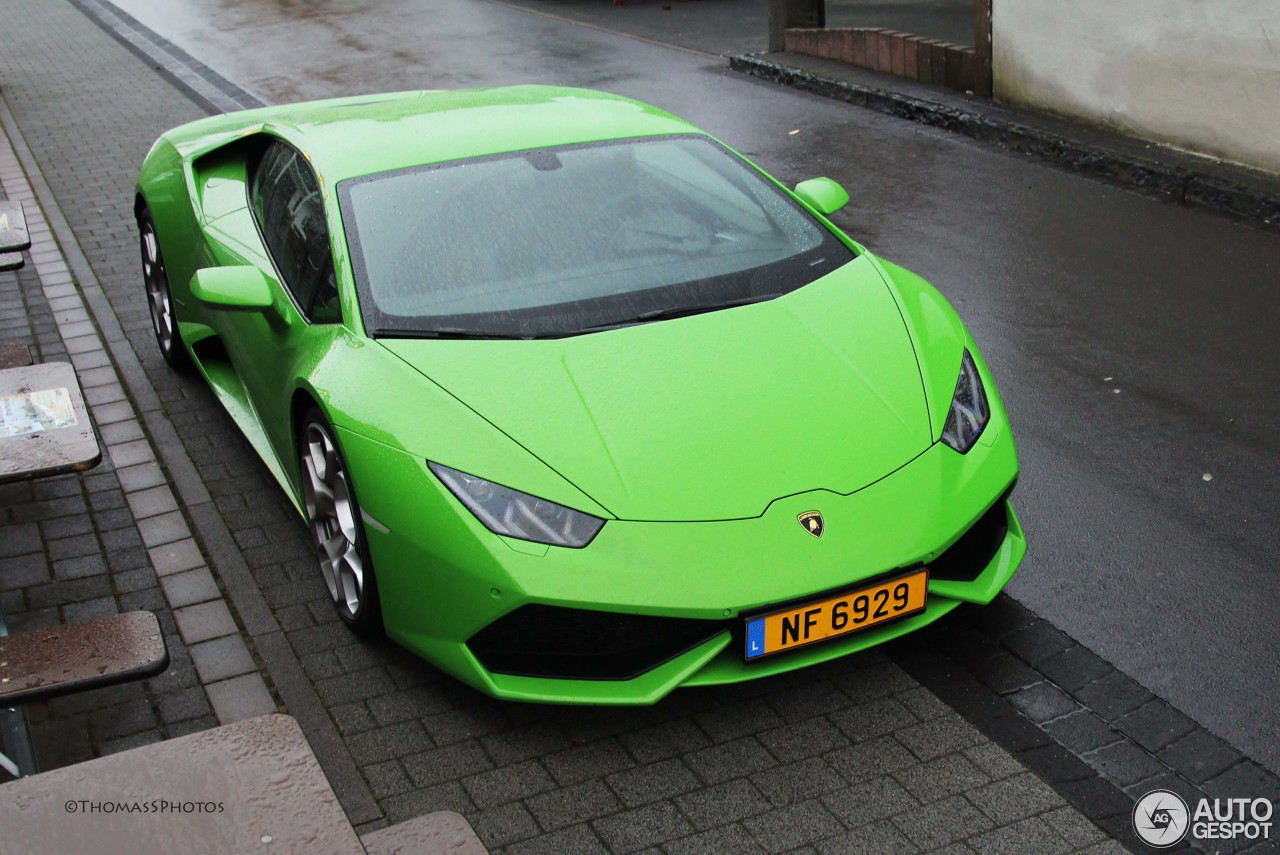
column 578, row 644
column 965, row 559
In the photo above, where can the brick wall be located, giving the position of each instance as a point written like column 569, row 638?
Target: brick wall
column 900, row 54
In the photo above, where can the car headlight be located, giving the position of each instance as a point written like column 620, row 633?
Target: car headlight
column 969, row 411
column 519, row 515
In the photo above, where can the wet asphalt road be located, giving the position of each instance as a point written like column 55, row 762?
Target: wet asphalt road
column 1133, row 339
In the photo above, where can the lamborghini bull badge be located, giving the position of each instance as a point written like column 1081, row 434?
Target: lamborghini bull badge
column 812, row 522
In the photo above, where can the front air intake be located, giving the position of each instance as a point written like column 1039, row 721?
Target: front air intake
column 965, row 559
column 578, row 644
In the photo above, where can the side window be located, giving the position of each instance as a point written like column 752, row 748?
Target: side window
column 290, row 211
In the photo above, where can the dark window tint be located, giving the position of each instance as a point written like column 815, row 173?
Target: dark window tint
column 290, row 212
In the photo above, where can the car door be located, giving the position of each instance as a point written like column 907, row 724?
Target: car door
column 269, row 349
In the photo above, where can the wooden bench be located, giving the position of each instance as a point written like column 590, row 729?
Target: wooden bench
column 40, row 664
column 14, row 355
column 13, row 235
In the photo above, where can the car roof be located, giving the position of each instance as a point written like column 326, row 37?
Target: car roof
column 350, row 137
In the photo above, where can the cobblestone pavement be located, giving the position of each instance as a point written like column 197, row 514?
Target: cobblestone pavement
column 853, row 756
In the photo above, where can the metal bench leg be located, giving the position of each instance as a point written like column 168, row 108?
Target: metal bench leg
column 17, row 754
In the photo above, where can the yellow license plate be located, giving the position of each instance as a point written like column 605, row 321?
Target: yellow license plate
column 842, row 614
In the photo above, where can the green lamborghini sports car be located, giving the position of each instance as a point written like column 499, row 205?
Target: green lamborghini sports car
column 578, row 404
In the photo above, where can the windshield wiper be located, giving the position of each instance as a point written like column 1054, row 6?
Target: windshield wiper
column 668, row 312
column 697, row 309
column 445, row 332
column 662, row 314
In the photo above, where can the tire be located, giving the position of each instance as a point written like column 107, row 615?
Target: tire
column 159, row 298
column 337, row 530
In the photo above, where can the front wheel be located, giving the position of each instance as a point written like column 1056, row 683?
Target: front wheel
column 337, row 531
column 159, row 299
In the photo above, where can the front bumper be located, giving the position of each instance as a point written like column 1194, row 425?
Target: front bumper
column 445, row 580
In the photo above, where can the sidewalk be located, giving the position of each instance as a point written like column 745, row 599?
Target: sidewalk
column 727, row 27
column 183, row 519
column 1180, row 176
column 110, row 540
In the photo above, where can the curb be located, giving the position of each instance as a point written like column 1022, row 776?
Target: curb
column 1186, row 185
column 213, row 92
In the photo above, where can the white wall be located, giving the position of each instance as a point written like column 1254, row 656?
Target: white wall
column 1203, row 75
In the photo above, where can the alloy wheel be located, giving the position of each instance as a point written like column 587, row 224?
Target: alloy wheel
column 331, row 513
column 156, row 278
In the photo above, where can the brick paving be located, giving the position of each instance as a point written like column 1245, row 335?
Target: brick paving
column 852, row 756
column 1091, row 732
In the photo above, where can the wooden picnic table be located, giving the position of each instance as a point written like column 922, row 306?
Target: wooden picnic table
column 249, row 787
column 44, row 425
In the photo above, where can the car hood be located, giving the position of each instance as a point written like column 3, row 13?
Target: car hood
column 711, row 416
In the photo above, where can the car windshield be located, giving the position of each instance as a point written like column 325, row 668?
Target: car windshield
column 556, row 242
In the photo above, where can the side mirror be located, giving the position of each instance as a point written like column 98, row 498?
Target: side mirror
column 823, row 195
column 241, row 288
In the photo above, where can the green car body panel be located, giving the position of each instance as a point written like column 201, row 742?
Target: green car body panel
column 699, row 440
